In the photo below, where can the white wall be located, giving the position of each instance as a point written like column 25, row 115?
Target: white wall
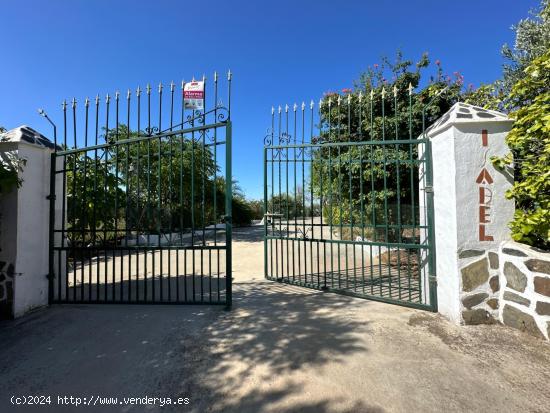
column 470, row 159
column 31, row 284
column 459, row 155
column 445, row 221
column 25, row 226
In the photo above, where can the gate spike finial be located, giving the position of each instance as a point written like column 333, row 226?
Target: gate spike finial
column 229, row 74
column 272, row 110
column 160, row 87
column 339, row 100
column 371, row 94
column 172, row 86
column 107, row 98
column 182, row 84
column 73, row 103
column 349, row 99
column 87, row 102
column 117, row 94
column 280, row 109
column 312, row 103
column 410, row 89
column 329, row 102
column 295, row 107
column 128, row 94
column 383, row 93
column 97, row 100
column 394, row 91
column 286, row 108
column 303, row 106
column 64, row 104
column 203, row 77
column 360, row 97
column 138, row 91
column 215, row 77
column 148, row 89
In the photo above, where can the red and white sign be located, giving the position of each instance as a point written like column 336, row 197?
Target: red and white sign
column 193, row 95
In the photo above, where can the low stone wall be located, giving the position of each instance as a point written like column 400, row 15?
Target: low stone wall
column 480, row 286
column 525, row 296
column 510, row 285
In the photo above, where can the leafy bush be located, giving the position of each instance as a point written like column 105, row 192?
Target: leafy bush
column 10, row 166
column 336, row 176
column 242, row 213
column 529, row 141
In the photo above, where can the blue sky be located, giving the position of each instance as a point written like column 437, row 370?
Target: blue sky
column 279, row 51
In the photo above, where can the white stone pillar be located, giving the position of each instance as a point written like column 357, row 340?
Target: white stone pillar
column 471, row 213
column 25, row 219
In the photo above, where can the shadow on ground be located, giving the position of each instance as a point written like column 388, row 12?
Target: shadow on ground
column 248, row 234
column 277, row 330
column 237, row 361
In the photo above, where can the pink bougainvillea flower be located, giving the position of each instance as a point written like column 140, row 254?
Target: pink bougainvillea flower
column 438, row 62
column 376, row 65
column 346, row 90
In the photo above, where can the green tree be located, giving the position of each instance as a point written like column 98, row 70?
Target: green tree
column 94, row 197
column 289, row 205
column 170, row 182
column 532, row 41
column 10, row 166
column 147, row 186
column 529, row 141
column 401, row 114
column 488, row 96
column 257, row 207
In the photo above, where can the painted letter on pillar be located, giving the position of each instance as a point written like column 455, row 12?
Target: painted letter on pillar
column 485, row 184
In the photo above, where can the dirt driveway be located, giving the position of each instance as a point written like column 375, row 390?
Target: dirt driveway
column 281, row 349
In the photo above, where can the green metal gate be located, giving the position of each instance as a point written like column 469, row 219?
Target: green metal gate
column 140, row 200
column 347, row 199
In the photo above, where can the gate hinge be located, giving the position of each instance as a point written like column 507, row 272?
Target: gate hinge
column 429, row 189
column 50, row 277
column 432, row 279
column 50, row 197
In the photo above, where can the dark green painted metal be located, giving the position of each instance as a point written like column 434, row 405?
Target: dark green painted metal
column 51, row 263
column 361, row 232
column 145, row 220
column 228, row 214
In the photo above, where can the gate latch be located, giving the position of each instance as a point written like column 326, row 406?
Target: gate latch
column 429, row 189
column 226, row 219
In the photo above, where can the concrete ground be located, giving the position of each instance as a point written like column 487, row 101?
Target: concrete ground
column 281, row 349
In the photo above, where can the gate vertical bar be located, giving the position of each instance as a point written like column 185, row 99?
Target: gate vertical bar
column 228, row 217
column 266, row 275
column 431, row 225
column 51, row 270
